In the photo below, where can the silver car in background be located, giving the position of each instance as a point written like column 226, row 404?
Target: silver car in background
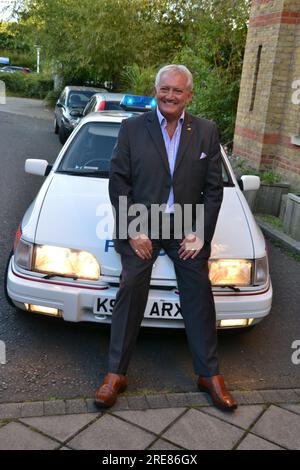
column 69, row 108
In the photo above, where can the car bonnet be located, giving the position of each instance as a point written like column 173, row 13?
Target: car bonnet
column 76, row 213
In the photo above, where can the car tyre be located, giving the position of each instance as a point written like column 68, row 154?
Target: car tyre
column 62, row 134
column 56, row 128
column 9, row 300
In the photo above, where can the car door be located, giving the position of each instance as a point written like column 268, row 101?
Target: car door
column 60, row 107
column 90, row 107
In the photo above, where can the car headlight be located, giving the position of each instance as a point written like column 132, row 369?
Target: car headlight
column 261, row 271
column 65, row 262
column 23, row 254
column 74, row 122
column 236, row 272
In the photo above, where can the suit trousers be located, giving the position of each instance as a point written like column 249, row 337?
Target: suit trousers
column 196, row 302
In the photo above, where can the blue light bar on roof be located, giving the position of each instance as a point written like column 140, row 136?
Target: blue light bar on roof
column 138, row 103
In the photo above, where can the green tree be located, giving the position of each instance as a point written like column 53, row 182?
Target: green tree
column 96, row 40
column 215, row 57
column 126, row 41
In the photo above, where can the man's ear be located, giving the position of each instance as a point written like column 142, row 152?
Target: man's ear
column 191, row 96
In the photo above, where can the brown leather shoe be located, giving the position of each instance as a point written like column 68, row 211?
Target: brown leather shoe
column 216, row 388
column 107, row 393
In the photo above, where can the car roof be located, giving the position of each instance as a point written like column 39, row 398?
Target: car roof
column 13, row 67
column 110, row 96
column 107, row 116
column 85, row 88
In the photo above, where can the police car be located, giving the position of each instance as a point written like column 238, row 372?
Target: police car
column 64, row 264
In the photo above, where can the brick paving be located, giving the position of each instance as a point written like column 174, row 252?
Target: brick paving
column 265, row 420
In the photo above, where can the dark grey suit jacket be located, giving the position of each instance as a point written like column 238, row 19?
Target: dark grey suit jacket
column 140, row 167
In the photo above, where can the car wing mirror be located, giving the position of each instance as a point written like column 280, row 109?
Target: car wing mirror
column 249, row 183
column 37, row 167
column 76, row 112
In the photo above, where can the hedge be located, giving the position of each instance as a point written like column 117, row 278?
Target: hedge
column 30, row 85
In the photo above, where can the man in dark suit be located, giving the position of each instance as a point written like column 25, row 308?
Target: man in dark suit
column 166, row 156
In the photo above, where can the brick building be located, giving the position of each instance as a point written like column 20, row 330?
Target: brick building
column 267, row 132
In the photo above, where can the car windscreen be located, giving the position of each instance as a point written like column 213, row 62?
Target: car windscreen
column 79, row 99
column 90, row 151
column 113, row 106
column 227, row 181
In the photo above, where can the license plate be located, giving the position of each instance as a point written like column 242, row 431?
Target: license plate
column 154, row 309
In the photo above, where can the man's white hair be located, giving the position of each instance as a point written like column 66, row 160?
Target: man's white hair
column 176, row 68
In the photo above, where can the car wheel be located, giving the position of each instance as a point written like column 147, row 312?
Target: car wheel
column 55, row 126
column 5, row 281
column 62, row 134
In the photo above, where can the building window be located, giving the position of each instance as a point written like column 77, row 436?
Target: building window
column 258, row 57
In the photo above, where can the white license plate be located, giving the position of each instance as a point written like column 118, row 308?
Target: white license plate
column 154, row 309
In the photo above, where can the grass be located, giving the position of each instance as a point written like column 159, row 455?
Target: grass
column 287, row 252
column 276, row 222
column 3, row 422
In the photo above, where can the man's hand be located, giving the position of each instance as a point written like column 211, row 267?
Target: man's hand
column 142, row 246
column 190, row 247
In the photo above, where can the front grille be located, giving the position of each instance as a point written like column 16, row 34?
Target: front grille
column 156, row 287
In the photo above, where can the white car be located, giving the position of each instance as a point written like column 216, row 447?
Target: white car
column 63, row 266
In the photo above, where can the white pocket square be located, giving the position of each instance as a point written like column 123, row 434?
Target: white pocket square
column 203, row 155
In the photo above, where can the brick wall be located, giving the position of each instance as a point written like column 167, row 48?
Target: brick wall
column 269, row 107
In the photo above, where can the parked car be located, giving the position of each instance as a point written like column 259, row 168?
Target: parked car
column 101, row 102
column 63, row 266
column 14, row 68
column 69, row 108
column 104, row 102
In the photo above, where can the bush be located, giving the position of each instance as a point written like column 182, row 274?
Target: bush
column 139, row 81
column 29, row 86
column 216, row 93
column 37, row 86
column 270, row 177
column 22, row 59
column 243, row 167
column 51, row 98
column 14, row 82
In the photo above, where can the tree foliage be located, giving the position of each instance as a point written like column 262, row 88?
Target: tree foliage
column 125, row 41
column 98, row 39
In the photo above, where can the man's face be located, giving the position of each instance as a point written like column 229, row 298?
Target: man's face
column 172, row 94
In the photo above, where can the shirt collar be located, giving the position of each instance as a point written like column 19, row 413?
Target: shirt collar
column 162, row 119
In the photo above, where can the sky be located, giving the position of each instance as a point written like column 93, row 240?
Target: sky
column 5, row 9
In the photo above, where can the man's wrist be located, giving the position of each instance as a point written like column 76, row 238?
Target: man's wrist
column 141, row 236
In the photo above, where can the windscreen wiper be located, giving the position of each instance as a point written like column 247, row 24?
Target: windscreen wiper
column 230, row 286
column 51, row 275
column 100, row 173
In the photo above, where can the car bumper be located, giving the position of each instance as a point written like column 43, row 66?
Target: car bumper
column 78, row 304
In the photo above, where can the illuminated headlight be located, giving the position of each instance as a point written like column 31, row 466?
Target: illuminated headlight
column 65, row 262
column 261, row 271
column 235, row 323
column 51, row 312
column 236, row 272
column 23, row 254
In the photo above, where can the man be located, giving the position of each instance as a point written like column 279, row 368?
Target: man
column 166, row 156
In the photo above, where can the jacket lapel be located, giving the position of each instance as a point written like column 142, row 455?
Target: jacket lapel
column 188, row 128
column 156, row 135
